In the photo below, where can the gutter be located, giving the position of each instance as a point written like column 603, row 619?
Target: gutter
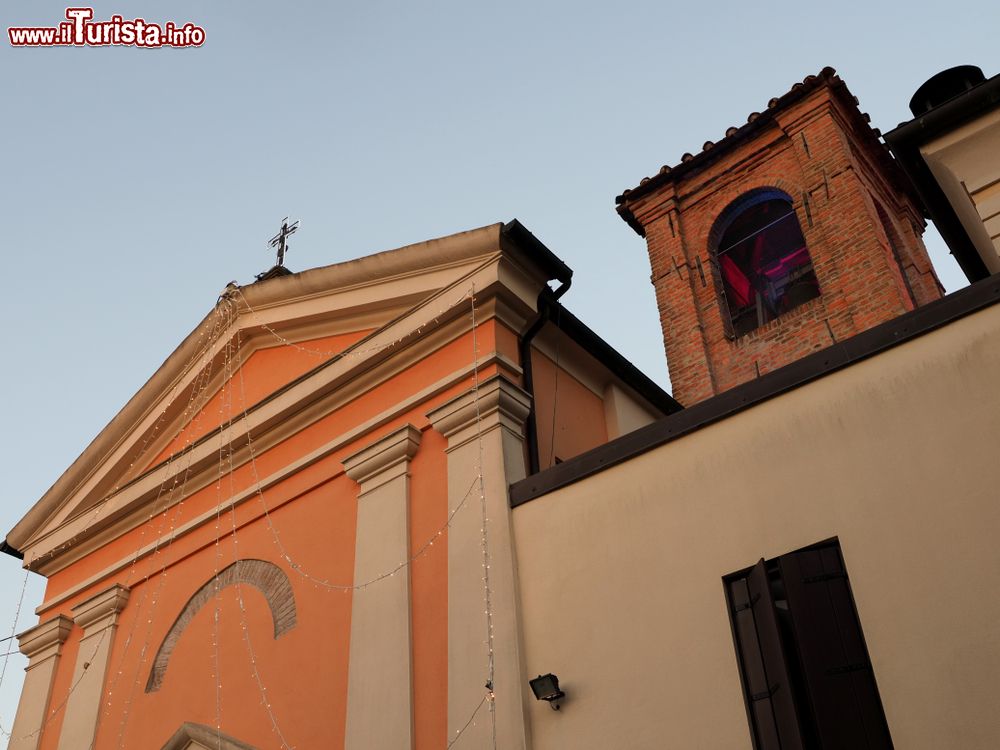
column 905, row 142
column 554, row 268
column 607, row 355
column 547, row 302
column 870, row 343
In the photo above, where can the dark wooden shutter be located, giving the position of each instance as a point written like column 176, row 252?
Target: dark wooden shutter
column 838, row 673
column 765, row 672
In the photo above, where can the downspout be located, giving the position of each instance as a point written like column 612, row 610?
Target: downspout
column 545, row 298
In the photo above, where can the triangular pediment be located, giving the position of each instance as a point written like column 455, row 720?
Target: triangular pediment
column 270, row 355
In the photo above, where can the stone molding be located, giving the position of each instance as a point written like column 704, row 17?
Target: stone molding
column 98, row 617
column 384, row 460
column 42, row 645
column 271, row 480
column 191, row 736
column 425, row 269
column 496, row 402
column 45, row 639
column 100, row 611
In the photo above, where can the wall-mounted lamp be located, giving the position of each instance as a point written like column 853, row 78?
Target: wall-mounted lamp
column 546, row 688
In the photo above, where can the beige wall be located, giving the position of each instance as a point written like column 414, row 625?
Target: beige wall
column 620, row 574
column 966, row 164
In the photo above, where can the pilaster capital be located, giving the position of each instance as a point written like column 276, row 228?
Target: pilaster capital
column 100, row 611
column 384, row 460
column 496, row 402
column 45, row 639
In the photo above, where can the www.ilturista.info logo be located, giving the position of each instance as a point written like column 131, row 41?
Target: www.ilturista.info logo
column 80, row 30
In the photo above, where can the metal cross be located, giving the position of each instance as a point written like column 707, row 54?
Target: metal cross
column 279, row 240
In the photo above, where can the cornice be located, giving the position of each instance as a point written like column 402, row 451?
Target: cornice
column 437, row 258
column 383, row 460
column 497, row 401
column 381, row 355
column 503, row 286
column 45, row 639
column 100, row 609
column 88, row 545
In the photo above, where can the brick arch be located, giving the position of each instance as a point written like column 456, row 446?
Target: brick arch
column 719, row 201
column 741, row 203
column 266, row 577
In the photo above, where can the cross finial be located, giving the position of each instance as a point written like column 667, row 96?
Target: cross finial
column 280, row 239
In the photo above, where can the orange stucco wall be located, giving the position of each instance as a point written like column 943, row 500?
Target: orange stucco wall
column 264, row 372
column 303, row 674
column 564, row 403
column 313, row 513
column 429, row 591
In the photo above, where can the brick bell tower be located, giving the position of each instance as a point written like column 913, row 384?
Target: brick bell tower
column 794, row 232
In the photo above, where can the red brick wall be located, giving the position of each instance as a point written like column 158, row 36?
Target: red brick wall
column 826, row 159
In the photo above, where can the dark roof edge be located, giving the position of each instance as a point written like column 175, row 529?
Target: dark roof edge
column 8, row 549
column 940, row 210
column 611, row 358
column 516, row 231
column 905, row 142
column 957, row 305
column 966, row 106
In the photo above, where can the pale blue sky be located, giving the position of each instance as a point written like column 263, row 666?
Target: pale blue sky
column 136, row 183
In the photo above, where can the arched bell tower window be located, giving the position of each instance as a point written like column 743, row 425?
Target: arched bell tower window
column 762, row 259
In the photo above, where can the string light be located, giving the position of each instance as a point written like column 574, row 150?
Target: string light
column 196, row 356
column 223, row 324
column 13, row 630
column 470, row 722
column 276, row 536
column 258, row 680
column 478, row 481
column 178, row 488
column 295, row 566
column 485, row 537
column 55, row 711
column 355, row 349
column 225, row 400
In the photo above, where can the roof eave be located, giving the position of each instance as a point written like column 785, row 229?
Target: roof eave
column 410, row 258
column 870, row 343
column 905, row 141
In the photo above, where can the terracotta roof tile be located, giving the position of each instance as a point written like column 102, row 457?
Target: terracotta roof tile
column 689, row 160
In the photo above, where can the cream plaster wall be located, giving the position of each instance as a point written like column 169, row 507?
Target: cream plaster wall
column 620, row 574
column 966, row 163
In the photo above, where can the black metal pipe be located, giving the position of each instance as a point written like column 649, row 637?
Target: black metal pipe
column 545, row 299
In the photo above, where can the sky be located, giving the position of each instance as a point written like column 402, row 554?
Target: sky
column 137, row 182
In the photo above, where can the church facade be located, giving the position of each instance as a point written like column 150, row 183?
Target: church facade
column 363, row 506
column 280, row 540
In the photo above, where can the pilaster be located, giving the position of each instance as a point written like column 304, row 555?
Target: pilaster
column 98, row 616
column 485, row 431
column 380, row 678
column 42, row 645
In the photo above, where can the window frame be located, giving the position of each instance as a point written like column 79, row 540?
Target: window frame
column 732, row 212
